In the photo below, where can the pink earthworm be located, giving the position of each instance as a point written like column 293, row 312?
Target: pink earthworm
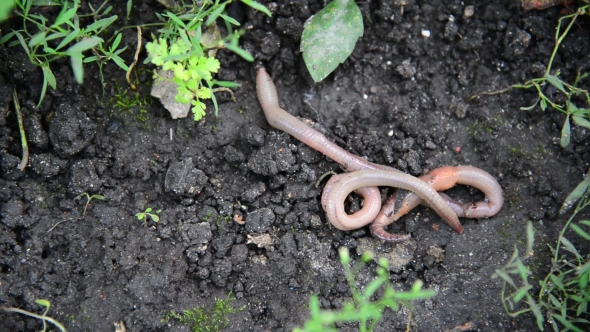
column 364, row 177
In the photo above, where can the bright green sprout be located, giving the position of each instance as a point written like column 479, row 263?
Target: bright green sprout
column 148, row 213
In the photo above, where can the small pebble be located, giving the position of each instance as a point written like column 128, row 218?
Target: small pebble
column 426, row 33
column 469, row 11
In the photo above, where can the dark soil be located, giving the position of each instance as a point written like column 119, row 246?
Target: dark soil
column 401, row 99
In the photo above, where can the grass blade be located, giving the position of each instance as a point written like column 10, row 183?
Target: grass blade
column 257, row 6
column 575, row 195
column 580, row 231
column 566, row 132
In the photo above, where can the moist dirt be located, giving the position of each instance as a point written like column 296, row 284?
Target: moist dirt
column 240, row 211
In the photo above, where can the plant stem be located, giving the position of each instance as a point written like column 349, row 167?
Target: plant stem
column 23, row 135
column 560, row 38
column 30, row 314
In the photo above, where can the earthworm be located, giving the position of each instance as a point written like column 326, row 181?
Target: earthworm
column 440, row 179
column 364, row 178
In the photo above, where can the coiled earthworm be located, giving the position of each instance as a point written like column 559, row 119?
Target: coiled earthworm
column 440, row 179
column 366, row 176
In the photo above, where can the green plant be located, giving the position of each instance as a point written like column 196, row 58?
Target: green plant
column 201, row 319
column 329, row 37
column 125, row 102
column 42, row 317
column 564, row 293
column 362, row 309
column 580, row 116
column 88, row 200
column 148, row 213
column 45, row 42
column 5, row 8
column 187, row 45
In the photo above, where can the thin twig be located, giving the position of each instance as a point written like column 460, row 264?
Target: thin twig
column 23, row 136
column 128, row 76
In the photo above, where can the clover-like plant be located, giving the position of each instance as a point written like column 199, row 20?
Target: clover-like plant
column 193, row 72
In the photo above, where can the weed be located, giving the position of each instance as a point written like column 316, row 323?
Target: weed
column 580, row 116
column 323, row 44
column 201, row 319
column 88, row 200
column 362, row 309
column 187, row 45
column 564, row 293
column 45, row 42
column 44, row 318
column 122, row 101
column 148, row 213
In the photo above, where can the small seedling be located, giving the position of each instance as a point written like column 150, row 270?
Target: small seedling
column 329, row 37
column 89, row 199
column 43, row 317
column 211, row 319
column 148, row 213
column 361, row 309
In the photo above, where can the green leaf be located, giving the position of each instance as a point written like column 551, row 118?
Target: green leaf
column 543, row 104
column 372, row 288
column 565, row 133
column 120, row 62
column 21, row 40
column 64, row 16
column 48, row 75
column 257, row 6
column 564, row 321
column 55, row 35
column 44, row 303
column 329, row 37
column 68, row 38
column 580, row 231
column 505, row 277
column 225, row 84
column 581, row 121
column 537, row 312
column 129, row 7
column 215, row 14
column 530, row 236
column 570, row 247
column 528, row 108
column 575, row 195
column 83, row 45
column 7, row 37
column 154, row 217
column 116, row 42
column 90, row 59
column 230, row 19
column 198, row 110
column 556, row 82
column 77, row 67
column 100, row 24
column 175, row 19
column 582, row 307
column 5, row 8
column 140, row 215
column 37, row 39
column 522, row 292
column 239, row 51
